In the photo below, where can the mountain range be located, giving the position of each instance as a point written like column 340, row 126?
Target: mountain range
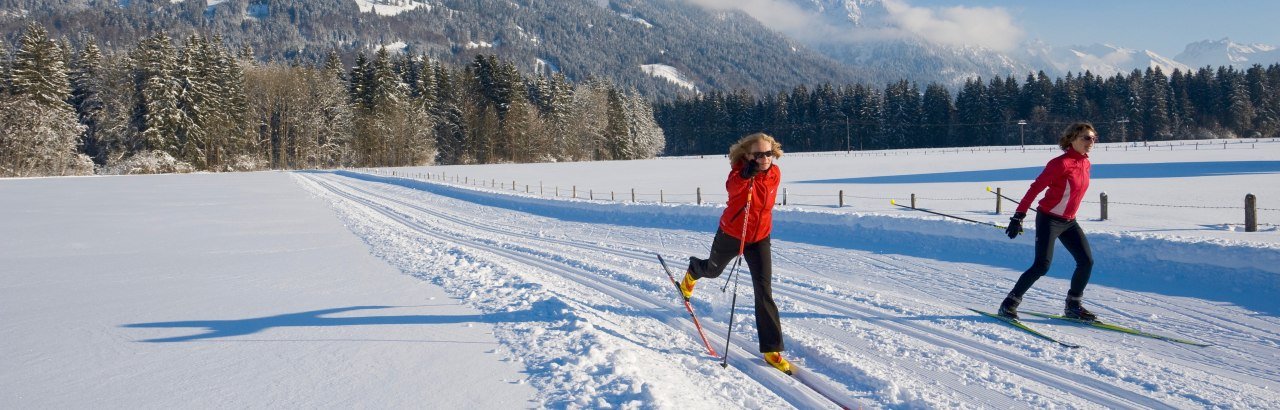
column 877, row 35
column 661, row 48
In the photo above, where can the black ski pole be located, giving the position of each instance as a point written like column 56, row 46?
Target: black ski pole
column 732, row 270
column 724, row 361
column 894, row 202
column 1010, row 199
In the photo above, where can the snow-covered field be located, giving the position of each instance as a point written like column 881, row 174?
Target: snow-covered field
column 358, row 288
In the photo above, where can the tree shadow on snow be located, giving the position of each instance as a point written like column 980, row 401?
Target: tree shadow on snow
column 214, row 329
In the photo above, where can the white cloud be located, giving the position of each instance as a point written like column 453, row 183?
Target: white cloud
column 990, row 27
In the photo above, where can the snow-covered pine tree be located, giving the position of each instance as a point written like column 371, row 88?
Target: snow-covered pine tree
column 451, row 126
column 158, row 118
column 37, row 141
column 6, row 63
column 646, row 135
column 617, row 136
column 86, row 97
column 358, row 81
column 39, row 133
column 234, row 150
column 39, row 72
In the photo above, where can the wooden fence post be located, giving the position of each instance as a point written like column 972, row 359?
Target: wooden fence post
column 1102, row 199
column 1250, row 213
column 999, row 200
column 699, row 195
column 913, row 201
column 784, row 196
column 841, row 198
column 574, row 192
column 662, row 198
column 633, row 194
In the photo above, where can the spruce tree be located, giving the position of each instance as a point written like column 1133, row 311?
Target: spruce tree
column 87, row 86
column 39, row 72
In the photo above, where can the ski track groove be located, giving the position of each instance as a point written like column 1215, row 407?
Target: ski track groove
column 646, row 306
column 1097, row 391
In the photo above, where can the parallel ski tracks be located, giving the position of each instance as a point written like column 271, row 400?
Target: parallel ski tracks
column 1094, row 390
column 645, row 304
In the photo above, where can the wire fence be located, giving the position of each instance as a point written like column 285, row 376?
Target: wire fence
column 836, row 199
column 840, row 198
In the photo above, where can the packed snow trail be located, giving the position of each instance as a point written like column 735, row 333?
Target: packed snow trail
column 884, row 329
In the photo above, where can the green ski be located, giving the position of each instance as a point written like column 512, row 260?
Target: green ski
column 1116, row 328
column 1016, row 324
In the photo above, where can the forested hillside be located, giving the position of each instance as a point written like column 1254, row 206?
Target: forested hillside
column 179, row 105
column 578, row 38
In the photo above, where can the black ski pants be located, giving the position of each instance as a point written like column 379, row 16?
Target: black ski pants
column 760, row 262
column 1049, row 228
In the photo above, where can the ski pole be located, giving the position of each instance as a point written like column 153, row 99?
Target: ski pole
column 1010, row 199
column 948, row 216
column 1001, row 195
column 742, row 246
column 732, row 270
column 724, row 361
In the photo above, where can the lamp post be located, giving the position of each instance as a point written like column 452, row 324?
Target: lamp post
column 847, row 148
column 846, row 133
column 1125, row 128
column 1022, row 134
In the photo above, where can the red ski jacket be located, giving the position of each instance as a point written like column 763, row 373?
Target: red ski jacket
column 759, row 215
column 1067, row 178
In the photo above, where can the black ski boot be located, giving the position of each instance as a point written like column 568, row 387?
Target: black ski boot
column 1009, row 308
column 1075, row 310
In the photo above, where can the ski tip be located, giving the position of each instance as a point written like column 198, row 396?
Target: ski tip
column 893, row 201
column 988, row 189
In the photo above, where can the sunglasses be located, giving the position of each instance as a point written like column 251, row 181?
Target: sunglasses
column 1091, row 138
column 758, row 155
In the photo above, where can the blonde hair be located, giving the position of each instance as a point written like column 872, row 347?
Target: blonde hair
column 1072, row 132
column 740, row 149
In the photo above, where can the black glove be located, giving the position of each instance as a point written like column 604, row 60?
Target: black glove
column 1015, row 225
column 750, row 170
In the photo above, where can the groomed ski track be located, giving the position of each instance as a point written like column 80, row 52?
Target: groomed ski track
column 887, row 330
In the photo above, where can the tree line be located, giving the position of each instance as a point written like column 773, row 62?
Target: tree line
column 196, row 105
column 1144, row 105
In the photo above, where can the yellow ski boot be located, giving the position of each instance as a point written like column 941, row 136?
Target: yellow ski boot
column 686, row 285
column 776, row 360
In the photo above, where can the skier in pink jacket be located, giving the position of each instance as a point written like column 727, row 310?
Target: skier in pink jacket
column 1066, row 178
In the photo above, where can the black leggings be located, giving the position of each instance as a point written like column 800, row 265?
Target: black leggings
column 759, row 260
column 1048, row 228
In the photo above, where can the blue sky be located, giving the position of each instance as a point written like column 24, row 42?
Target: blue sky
column 1165, row 27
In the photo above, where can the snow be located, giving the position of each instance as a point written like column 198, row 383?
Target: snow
column 474, row 45
column 389, row 7
column 544, row 66
column 396, row 47
column 670, row 74
column 367, row 289
column 642, row 21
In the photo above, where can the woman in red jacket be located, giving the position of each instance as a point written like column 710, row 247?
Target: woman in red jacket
column 744, row 230
column 1067, row 178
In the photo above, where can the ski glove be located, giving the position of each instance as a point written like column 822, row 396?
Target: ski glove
column 1015, row 225
column 750, row 170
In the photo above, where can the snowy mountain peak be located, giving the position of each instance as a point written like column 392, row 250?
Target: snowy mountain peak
column 1224, row 52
